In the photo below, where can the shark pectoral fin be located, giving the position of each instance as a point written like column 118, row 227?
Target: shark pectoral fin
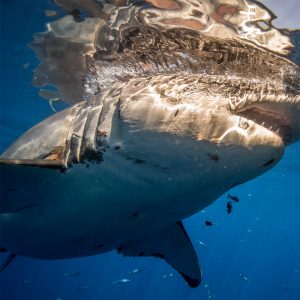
column 7, row 261
column 174, row 246
column 21, row 178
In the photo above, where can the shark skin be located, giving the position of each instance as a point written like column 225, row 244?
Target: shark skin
column 121, row 170
column 142, row 179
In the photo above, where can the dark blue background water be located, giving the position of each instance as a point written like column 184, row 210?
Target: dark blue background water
column 260, row 239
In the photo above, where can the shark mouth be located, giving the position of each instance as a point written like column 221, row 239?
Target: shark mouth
column 272, row 120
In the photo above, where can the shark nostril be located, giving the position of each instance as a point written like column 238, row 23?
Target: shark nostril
column 244, row 124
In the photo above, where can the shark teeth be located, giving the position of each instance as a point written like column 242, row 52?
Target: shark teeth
column 270, row 120
column 277, row 131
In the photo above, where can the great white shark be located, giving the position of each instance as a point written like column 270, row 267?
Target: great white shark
column 180, row 104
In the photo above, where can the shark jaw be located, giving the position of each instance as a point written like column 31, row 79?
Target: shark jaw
column 274, row 122
column 279, row 117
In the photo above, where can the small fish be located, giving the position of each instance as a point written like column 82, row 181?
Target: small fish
column 81, row 288
column 50, row 13
column 233, row 198
column 167, row 276
column 209, row 223
column 72, row 274
column 249, row 230
column 122, row 281
column 229, row 207
column 201, row 243
column 244, row 277
column 284, row 287
column 135, row 271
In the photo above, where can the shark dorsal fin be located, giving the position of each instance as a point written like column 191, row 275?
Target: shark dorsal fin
column 174, row 246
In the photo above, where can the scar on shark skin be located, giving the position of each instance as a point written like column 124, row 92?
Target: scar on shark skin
column 214, row 157
column 55, row 154
column 138, row 161
column 135, row 215
column 101, row 133
column 268, row 163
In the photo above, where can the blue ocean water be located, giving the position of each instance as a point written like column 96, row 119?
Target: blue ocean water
column 252, row 253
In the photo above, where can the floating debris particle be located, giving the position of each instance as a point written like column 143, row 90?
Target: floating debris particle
column 244, row 277
column 167, row 276
column 209, row 294
column 122, row 281
column 135, row 271
column 201, row 243
column 26, row 65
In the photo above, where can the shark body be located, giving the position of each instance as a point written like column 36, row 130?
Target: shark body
column 124, row 168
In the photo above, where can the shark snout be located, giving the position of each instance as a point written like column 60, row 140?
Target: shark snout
column 281, row 116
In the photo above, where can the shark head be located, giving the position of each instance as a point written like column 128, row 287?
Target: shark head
column 234, row 127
